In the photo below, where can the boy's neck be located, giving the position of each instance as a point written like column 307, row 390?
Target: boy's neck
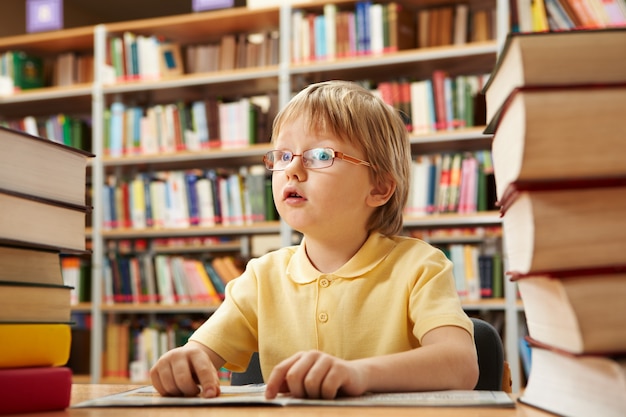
column 328, row 255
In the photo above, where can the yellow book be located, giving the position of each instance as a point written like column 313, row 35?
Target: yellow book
column 36, row 344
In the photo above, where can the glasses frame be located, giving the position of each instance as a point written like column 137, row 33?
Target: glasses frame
column 336, row 155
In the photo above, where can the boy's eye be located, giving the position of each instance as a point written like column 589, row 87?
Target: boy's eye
column 285, row 157
column 321, row 154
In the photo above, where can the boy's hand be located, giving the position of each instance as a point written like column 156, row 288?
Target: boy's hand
column 315, row 374
column 181, row 371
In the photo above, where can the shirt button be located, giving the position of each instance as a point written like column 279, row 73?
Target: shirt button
column 324, row 282
column 323, row 317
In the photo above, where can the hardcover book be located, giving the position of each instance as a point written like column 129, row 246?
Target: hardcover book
column 27, row 302
column 578, row 311
column 32, row 390
column 556, row 58
column 576, row 385
column 36, row 166
column 562, row 226
column 34, row 343
column 544, row 133
column 34, row 221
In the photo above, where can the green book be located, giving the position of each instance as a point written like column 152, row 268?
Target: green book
column 27, row 71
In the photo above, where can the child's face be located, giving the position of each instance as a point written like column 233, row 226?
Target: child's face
column 325, row 202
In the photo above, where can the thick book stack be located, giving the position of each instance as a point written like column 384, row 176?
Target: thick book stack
column 555, row 104
column 42, row 215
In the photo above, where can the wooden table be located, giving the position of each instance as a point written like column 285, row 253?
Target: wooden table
column 82, row 392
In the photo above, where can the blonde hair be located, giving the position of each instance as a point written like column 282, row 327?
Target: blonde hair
column 353, row 114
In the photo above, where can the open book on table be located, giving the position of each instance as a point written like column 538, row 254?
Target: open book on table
column 255, row 395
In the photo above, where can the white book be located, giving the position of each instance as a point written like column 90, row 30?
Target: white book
column 235, row 195
column 377, row 39
column 164, row 280
column 177, row 207
column 206, row 208
column 157, row 201
column 420, row 108
column 149, row 136
column 168, row 135
column 199, row 121
column 418, row 191
column 330, row 22
column 182, row 284
column 296, row 35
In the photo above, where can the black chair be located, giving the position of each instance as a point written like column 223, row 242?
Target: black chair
column 490, row 361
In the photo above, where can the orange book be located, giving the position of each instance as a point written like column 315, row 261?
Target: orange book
column 34, row 344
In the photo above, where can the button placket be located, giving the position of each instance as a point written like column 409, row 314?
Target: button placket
column 323, row 283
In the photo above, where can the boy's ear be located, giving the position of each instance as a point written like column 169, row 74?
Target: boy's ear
column 381, row 192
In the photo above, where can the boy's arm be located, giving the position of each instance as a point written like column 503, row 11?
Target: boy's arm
column 446, row 360
column 188, row 371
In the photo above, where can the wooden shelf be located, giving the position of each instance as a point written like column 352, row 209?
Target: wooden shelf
column 256, row 228
column 469, row 139
column 486, row 218
column 188, row 159
column 158, row 308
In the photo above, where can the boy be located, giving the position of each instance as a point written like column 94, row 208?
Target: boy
column 354, row 307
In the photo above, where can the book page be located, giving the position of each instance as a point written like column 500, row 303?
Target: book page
column 255, row 395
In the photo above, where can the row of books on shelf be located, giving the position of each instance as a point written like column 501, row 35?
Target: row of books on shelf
column 34, row 299
column 74, row 131
column 179, row 199
column 367, row 28
column 132, row 346
column 175, row 127
column 132, row 57
column 554, row 15
column 478, row 273
column 20, row 70
column 453, row 182
column 167, row 279
column 442, row 102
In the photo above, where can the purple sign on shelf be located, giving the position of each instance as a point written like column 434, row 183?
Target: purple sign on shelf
column 202, row 5
column 43, row 15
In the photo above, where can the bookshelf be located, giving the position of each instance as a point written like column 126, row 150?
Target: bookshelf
column 281, row 79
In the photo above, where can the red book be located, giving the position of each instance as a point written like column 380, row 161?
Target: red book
column 30, row 390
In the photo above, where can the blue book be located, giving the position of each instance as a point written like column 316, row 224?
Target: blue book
column 192, row 198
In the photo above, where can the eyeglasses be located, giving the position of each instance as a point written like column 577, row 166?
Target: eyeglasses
column 316, row 158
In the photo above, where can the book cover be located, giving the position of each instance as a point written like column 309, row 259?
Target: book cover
column 578, row 310
column 23, row 264
column 543, row 133
column 575, row 385
column 538, row 58
column 28, row 302
column 553, row 224
column 34, row 344
column 60, row 170
column 32, row 390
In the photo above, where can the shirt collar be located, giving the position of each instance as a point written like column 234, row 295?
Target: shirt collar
column 373, row 251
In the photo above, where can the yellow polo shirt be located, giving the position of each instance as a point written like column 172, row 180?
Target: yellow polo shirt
column 383, row 300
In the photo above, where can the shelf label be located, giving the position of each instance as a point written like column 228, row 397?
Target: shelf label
column 202, row 5
column 43, row 15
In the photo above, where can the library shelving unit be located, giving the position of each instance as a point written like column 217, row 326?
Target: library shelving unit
column 280, row 79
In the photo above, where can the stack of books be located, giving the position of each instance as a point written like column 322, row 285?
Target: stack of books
column 42, row 216
column 555, row 105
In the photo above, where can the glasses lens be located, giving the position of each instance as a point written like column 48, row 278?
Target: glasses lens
column 277, row 160
column 318, row 158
